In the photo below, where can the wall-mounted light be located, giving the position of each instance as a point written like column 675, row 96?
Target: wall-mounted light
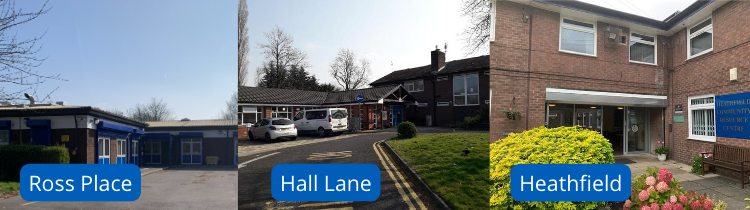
column 619, row 107
column 593, row 107
column 551, row 104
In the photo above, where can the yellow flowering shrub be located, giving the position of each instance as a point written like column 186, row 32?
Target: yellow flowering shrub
column 563, row 145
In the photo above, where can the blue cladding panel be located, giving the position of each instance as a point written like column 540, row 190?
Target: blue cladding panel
column 197, row 159
column 134, row 160
column 157, row 136
column 187, row 159
column 36, row 123
column 5, row 124
column 191, row 134
column 103, row 160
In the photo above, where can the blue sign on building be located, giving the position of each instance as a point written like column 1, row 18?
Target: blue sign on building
column 360, row 98
column 733, row 115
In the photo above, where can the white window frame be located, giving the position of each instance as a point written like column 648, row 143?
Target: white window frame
column 413, row 85
column 134, row 148
column 699, row 32
column 493, row 15
column 275, row 111
column 104, row 142
column 656, row 48
column 121, row 148
column 700, row 107
column 466, row 91
column 559, row 38
column 258, row 111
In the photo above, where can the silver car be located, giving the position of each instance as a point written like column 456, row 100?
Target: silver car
column 270, row 129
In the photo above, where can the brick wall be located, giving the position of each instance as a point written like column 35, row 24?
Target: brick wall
column 674, row 76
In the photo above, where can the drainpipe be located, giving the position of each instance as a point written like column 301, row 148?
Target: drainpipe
column 528, row 68
column 75, row 119
column 434, row 101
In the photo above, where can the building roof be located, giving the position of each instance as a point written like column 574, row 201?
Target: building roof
column 279, row 96
column 60, row 110
column 258, row 95
column 452, row 67
column 666, row 25
column 192, row 123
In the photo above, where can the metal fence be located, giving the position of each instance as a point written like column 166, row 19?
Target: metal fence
column 355, row 124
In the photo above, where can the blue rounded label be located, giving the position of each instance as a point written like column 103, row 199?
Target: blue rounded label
column 80, row 182
column 570, row 182
column 325, row 182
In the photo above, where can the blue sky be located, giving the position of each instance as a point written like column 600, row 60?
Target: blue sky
column 403, row 32
column 115, row 54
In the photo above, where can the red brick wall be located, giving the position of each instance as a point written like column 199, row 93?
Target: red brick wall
column 610, row 71
column 709, row 74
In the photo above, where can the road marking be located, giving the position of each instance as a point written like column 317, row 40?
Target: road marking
column 388, row 169
column 283, row 205
column 408, row 187
column 258, row 158
column 330, row 155
column 323, row 204
column 28, row 203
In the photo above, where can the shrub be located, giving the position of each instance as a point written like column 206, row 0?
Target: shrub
column 472, row 122
column 656, row 189
column 697, row 165
column 14, row 157
column 407, row 130
column 563, row 145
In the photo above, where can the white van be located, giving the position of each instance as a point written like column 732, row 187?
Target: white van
column 321, row 121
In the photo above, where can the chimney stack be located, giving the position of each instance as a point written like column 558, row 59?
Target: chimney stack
column 438, row 60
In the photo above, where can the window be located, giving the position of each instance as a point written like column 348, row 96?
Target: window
column 414, row 85
column 700, row 38
column 191, row 146
column 4, row 137
column 577, row 37
column 299, row 115
column 466, row 89
column 121, row 149
column 702, row 124
column 281, row 112
column 282, row 122
column 250, row 114
column 134, row 149
column 104, row 147
column 642, row 49
column 338, row 114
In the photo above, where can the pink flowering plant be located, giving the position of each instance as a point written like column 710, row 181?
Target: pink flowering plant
column 658, row 190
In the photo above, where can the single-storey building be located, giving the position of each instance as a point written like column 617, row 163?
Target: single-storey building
column 95, row 136
column 380, row 107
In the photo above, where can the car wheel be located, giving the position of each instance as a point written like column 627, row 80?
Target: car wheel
column 250, row 135
column 268, row 138
column 321, row 132
column 293, row 138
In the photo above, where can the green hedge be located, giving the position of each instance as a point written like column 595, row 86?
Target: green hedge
column 563, row 145
column 14, row 157
column 407, row 130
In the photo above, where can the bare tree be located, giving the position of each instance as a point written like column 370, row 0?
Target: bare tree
column 155, row 110
column 243, row 48
column 349, row 73
column 230, row 111
column 280, row 55
column 477, row 34
column 18, row 56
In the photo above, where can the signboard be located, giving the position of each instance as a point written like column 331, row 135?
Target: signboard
column 678, row 119
column 65, row 138
column 732, row 115
column 360, row 98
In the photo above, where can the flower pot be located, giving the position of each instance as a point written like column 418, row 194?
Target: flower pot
column 706, row 168
column 662, row 157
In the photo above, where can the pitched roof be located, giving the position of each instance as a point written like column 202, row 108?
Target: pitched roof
column 279, row 96
column 258, row 95
column 192, row 123
column 456, row 66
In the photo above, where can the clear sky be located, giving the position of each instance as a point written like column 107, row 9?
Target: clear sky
column 655, row 9
column 115, row 54
column 401, row 31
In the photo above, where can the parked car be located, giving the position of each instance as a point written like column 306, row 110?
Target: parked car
column 322, row 121
column 270, row 129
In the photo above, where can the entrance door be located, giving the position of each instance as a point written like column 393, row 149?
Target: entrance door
column 397, row 116
column 134, row 152
column 191, row 151
column 152, row 154
column 637, row 126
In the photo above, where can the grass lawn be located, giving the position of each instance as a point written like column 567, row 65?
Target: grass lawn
column 6, row 187
column 462, row 181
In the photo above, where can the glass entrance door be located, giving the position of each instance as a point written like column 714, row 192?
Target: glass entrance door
column 637, row 128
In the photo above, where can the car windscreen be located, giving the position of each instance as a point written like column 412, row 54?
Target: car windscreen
column 282, row 122
column 338, row 114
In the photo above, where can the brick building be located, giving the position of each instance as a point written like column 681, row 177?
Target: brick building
column 637, row 80
column 446, row 92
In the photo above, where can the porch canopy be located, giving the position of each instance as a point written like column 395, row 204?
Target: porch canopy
column 555, row 95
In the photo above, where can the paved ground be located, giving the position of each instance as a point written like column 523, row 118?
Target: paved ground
column 397, row 192
column 715, row 186
column 176, row 188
